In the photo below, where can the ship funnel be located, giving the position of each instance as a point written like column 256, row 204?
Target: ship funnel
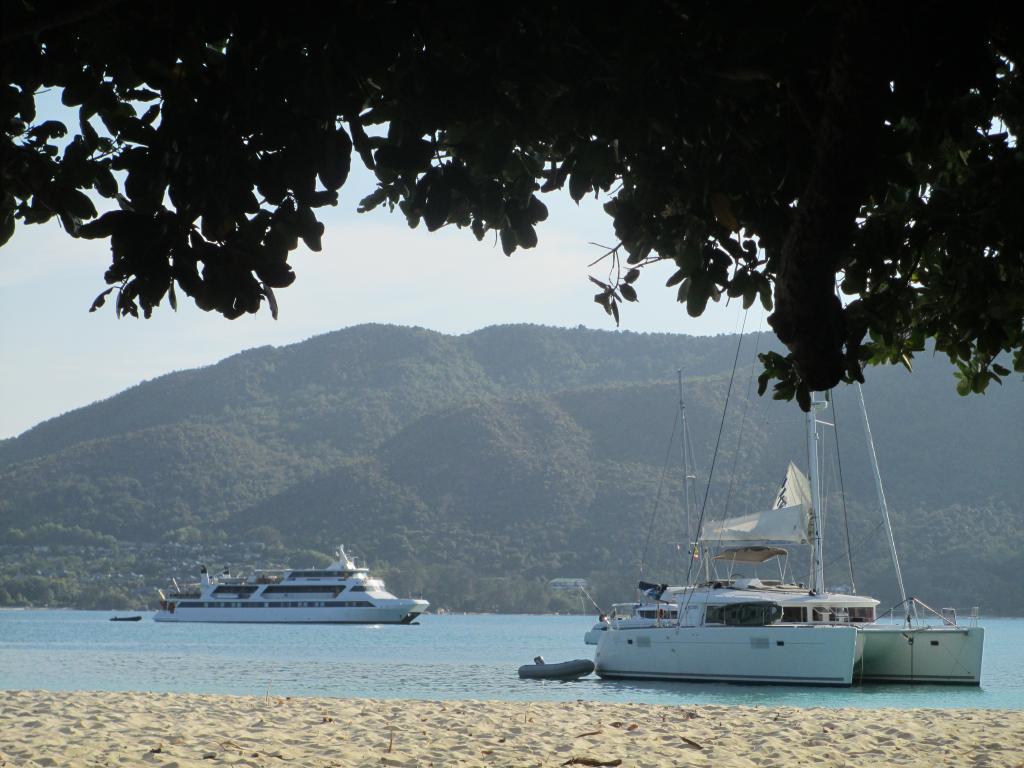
column 204, row 575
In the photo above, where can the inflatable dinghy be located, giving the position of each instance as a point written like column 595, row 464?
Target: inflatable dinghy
column 565, row 670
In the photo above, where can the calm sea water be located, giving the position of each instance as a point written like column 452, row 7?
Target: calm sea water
column 442, row 657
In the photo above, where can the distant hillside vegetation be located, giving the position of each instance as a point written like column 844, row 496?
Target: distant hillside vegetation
column 473, row 469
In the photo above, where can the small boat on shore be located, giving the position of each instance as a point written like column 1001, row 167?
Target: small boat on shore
column 126, row 618
column 564, row 670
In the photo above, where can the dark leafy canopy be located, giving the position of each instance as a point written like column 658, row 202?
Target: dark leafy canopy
column 770, row 151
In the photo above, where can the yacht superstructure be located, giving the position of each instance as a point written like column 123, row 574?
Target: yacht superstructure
column 341, row 593
column 729, row 635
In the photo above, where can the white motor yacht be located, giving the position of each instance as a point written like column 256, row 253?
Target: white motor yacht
column 341, row 593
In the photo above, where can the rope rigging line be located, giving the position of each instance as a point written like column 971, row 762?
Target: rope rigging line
column 714, row 456
column 743, row 419
column 856, row 547
column 593, row 602
column 657, row 498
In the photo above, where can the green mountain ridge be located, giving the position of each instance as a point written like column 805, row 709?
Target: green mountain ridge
column 473, row 469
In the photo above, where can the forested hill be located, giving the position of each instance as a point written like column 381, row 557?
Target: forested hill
column 473, row 469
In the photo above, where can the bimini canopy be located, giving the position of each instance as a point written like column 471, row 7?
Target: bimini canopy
column 788, row 520
column 750, row 554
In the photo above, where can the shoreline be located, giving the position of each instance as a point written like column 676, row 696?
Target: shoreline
column 42, row 728
column 426, row 615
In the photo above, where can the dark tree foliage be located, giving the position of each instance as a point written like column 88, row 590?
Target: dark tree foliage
column 771, row 151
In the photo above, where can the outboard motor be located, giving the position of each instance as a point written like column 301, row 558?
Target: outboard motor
column 204, row 575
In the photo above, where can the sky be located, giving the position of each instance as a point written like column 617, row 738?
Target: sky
column 57, row 356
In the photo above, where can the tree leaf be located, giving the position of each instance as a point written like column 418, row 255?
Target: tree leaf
column 438, row 202
column 100, row 300
column 271, row 300
column 6, row 227
column 335, row 159
column 508, row 240
column 803, row 397
column 77, row 203
column 676, row 278
column 698, row 295
column 105, row 226
column 579, row 185
column 372, row 200
column 536, row 210
column 684, row 291
column 526, row 235
column 722, row 209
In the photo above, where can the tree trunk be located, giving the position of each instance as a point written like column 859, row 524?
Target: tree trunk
column 808, row 316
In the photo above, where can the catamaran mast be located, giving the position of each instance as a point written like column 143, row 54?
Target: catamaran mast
column 881, row 500
column 687, row 466
column 817, row 565
column 690, row 488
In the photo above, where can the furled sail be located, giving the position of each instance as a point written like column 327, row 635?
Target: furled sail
column 788, row 519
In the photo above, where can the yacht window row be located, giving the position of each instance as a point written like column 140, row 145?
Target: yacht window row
column 280, row 604
column 827, row 614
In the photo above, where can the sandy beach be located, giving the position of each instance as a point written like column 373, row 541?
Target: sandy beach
column 39, row 728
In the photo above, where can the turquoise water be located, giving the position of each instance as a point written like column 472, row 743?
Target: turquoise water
column 442, row 657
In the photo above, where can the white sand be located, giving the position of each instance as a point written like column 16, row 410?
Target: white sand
column 39, row 728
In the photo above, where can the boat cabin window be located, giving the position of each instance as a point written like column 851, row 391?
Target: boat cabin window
column 794, row 615
column 657, row 613
column 862, row 614
column 823, row 613
column 320, row 574
column 743, row 614
column 235, row 590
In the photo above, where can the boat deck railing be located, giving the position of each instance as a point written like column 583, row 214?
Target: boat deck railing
column 912, row 616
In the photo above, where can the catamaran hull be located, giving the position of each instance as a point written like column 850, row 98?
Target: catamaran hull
column 775, row 654
column 944, row 655
column 402, row 612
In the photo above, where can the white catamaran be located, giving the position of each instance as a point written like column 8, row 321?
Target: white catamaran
column 341, row 593
column 734, row 628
